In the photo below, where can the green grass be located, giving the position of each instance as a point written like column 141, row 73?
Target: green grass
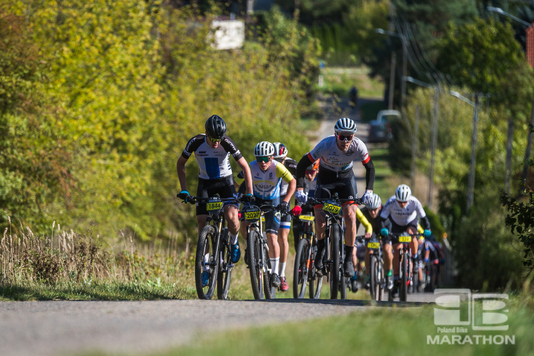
column 96, row 291
column 340, row 80
column 376, row 331
column 382, row 186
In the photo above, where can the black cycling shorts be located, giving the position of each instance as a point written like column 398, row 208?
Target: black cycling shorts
column 329, row 184
column 209, row 187
column 272, row 218
column 398, row 229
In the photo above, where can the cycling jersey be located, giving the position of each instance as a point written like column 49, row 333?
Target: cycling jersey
column 267, row 184
column 404, row 216
column 334, row 159
column 212, row 162
column 291, row 166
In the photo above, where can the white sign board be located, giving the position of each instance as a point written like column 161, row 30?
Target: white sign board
column 229, row 34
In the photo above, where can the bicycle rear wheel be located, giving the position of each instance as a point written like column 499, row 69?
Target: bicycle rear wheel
column 334, row 261
column 301, row 269
column 206, row 261
column 224, row 276
column 403, row 293
column 376, row 278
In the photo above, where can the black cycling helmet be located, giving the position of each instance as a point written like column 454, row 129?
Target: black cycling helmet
column 215, row 127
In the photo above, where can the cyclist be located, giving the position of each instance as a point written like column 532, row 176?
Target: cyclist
column 267, row 175
column 310, row 184
column 280, row 155
column 337, row 154
column 212, row 150
column 371, row 213
column 403, row 210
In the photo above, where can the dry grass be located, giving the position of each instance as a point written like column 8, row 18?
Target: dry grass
column 67, row 259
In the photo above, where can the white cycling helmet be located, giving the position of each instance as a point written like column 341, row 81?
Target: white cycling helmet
column 263, row 149
column 375, row 202
column 280, row 151
column 345, row 125
column 403, row 193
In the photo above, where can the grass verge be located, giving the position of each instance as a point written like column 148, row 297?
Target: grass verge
column 378, row 331
column 339, row 81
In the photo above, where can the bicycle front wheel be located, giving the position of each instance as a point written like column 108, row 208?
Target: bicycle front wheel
column 257, row 275
column 403, row 295
column 224, row 276
column 206, row 262
column 301, row 269
column 334, row 261
column 375, row 278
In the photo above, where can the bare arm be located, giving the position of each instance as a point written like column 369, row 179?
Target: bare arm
column 290, row 190
column 242, row 162
column 180, row 168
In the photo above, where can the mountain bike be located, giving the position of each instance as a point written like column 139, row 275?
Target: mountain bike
column 258, row 251
column 213, row 250
column 304, row 269
column 405, row 272
column 376, row 265
column 335, row 253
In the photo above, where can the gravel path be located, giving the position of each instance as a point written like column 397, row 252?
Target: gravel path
column 68, row 327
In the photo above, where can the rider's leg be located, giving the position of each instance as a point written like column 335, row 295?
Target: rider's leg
column 232, row 217
column 274, row 251
column 349, row 213
column 320, row 223
column 354, row 256
column 396, row 248
column 388, row 256
column 320, row 228
column 283, row 233
column 413, row 245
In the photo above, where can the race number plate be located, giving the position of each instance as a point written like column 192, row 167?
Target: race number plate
column 373, row 245
column 252, row 215
column 405, row 238
column 306, row 217
column 214, row 206
column 334, row 209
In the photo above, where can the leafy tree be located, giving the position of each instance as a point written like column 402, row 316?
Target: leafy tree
column 520, row 220
column 35, row 157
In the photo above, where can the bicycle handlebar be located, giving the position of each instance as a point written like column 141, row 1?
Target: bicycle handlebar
column 194, row 199
column 335, row 199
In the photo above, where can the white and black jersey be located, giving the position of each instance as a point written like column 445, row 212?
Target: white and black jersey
column 212, row 162
column 404, row 216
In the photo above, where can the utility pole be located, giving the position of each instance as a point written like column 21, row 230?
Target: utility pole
column 391, row 93
column 472, row 163
column 404, row 74
column 414, row 146
column 433, row 148
column 508, row 169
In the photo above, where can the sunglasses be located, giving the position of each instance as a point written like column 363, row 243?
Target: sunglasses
column 310, row 172
column 346, row 138
column 263, row 159
column 215, row 139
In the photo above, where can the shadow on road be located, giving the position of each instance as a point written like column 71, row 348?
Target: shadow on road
column 344, row 302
